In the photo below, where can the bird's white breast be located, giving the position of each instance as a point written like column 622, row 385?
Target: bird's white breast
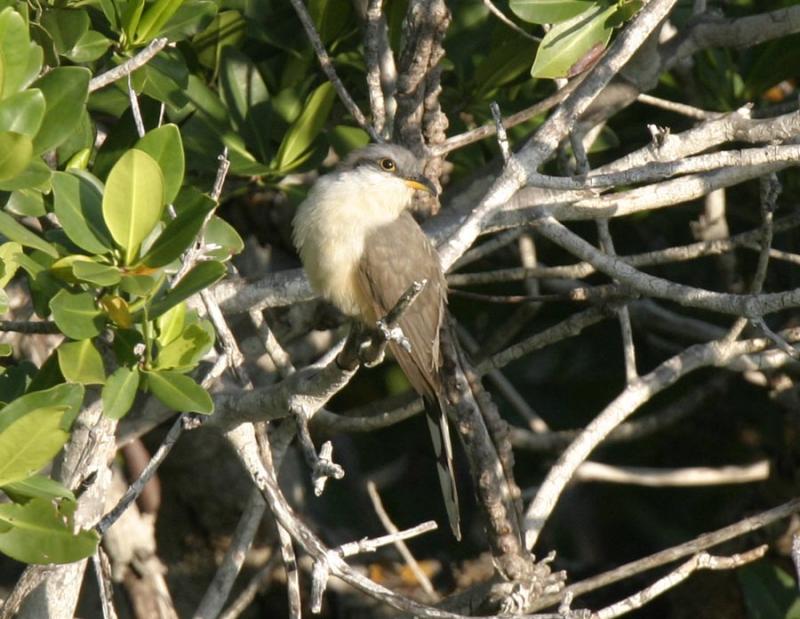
column 331, row 224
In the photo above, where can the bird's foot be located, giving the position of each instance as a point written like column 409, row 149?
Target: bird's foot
column 394, row 334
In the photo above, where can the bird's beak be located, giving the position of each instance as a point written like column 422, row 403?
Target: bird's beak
column 422, row 184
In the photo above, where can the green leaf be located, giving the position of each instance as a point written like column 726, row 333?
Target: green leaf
column 179, row 233
column 200, row 277
column 23, row 112
column 170, row 324
column 26, row 203
column 96, row 273
column 89, row 47
column 68, row 395
column 154, row 18
column 566, row 44
column 131, row 16
column 80, row 362
column 548, row 11
column 30, row 442
column 179, row 392
column 227, row 28
column 189, row 19
column 165, row 146
column 37, row 486
column 133, row 200
column 768, row 591
column 76, row 315
column 297, row 144
column 36, row 176
column 222, row 239
column 16, row 151
column 141, row 285
column 78, row 204
column 20, row 60
column 119, row 392
column 184, row 352
column 244, row 92
column 65, row 90
column 9, row 257
column 15, row 231
column 344, row 138
column 37, row 532
column 65, row 27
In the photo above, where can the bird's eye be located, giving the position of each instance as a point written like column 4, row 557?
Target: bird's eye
column 387, row 165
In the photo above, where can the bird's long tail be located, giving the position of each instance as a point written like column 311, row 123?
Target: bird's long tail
column 443, row 448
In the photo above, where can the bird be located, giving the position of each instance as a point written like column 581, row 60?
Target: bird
column 361, row 250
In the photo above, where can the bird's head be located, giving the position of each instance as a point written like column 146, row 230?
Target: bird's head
column 390, row 166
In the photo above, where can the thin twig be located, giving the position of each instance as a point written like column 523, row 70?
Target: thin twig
column 135, row 489
column 502, row 17
column 681, row 477
column 698, row 544
column 330, row 72
column 402, row 547
column 135, row 110
column 129, row 66
column 700, row 561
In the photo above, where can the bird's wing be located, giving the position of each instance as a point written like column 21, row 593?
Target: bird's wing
column 396, row 255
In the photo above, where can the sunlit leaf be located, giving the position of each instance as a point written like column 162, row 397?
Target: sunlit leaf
column 81, row 362
column 36, row 532
column 31, row 442
column 179, row 392
column 119, row 392
column 133, row 200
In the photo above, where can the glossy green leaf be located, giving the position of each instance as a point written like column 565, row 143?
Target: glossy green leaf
column 227, row 28
column 6, row 349
column 67, row 395
column 20, row 59
column 9, row 258
column 76, row 315
column 16, row 151
column 63, row 267
column 199, row 278
column 78, row 204
column 37, row 532
column 96, row 273
column 80, row 362
column 5, row 303
column 89, row 47
column 345, row 138
column 133, row 200
column 221, row 239
column 165, row 146
column 119, row 392
column 37, row 486
column 15, row 231
column 245, row 93
column 131, row 15
column 157, row 14
column 30, row 442
column 189, row 19
column 566, row 44
column 26, row 203
column 141, row 285
column 22, row 112
column 297, row 144
column 179, row 392
column 179, row 233
column 65, row 27
column 184, row 352
column 36, row 176
column 65, row 90
column 548, row 11
column 170, row 324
